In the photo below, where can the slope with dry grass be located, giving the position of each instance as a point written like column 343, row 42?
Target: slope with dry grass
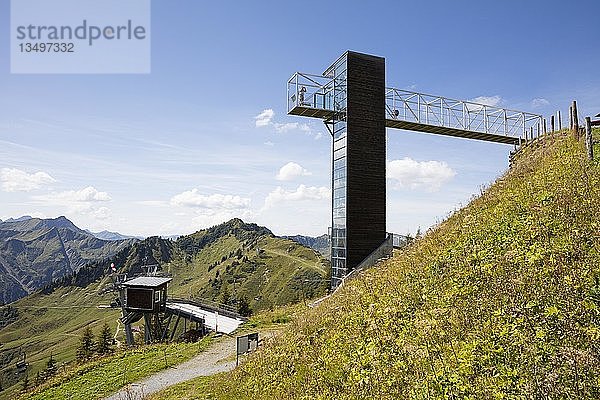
column 499, row 301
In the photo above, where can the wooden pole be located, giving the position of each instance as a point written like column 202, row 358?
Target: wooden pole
column 552, row 123
column 128, row 335
column 147, row 334
column 544, row 126
column 588, row 138
column 559, row 120
column 570, row 117
column 575, row 121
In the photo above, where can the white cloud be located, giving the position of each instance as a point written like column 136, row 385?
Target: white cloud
column 269, row 143
column 408, row 173
column 199, row 211
column 264, row 118
column 86, row 195
column 85, row 202
column 102, row 213
column 291, row 126
column 34, row 214
column 300, row 194
column 153, row 203
column 493, row 101
column 200, row 218
column 206, row 218
column 16, row 180
column 192, row 198
column 539, row 102
column 290, row 171
column 37, row 214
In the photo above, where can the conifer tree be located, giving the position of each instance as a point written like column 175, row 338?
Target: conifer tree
column 244, row 307
column 225, row 296
column 25, row 383
column 38, row 379
column 86, row 344
column 50, row 366
column 104, row 340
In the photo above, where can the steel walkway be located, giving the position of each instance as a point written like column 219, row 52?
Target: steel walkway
column 312, row 96
column 221, row 322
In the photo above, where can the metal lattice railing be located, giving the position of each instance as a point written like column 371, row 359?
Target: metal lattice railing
column 311, row 91
column 317, row 92
column 404, row 105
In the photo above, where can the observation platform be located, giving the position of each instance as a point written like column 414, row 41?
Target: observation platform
column 312, row 96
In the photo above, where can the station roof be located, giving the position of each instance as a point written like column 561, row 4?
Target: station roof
column 148, row 281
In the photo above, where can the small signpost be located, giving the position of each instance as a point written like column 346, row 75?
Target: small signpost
column 246, row 344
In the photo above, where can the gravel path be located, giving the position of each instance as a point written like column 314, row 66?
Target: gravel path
column 219, row 357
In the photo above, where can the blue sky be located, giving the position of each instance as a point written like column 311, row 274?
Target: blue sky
column 179, row 149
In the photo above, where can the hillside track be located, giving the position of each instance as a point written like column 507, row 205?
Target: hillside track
column 219, row 357
column 297, row 260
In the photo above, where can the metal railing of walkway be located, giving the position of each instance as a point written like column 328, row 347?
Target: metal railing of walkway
column 313, row 96
column 218, row 320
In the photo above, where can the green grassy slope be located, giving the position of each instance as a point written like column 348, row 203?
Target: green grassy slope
column 50, row 324
column 53, row 322
column 101, row 377
column 499, row 301
column 267, row 272
column 237, row 260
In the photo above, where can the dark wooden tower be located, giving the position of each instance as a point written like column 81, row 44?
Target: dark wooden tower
column 358, row 162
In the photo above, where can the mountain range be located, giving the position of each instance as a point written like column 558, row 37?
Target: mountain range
column 111, row 236
column 34, row 252
column 319, row 243
column 231, row 263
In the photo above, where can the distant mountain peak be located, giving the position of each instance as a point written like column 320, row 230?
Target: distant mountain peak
column 236, row 225
column 62, row 222
column 318, row 243
column 35, row 251
column 27, row 223
column 112, row 236
column 20, row 219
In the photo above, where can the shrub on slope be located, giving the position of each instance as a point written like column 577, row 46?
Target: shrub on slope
column 499, row 301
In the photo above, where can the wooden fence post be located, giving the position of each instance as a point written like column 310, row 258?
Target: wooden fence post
column 559, row 120
column 544, row 126
column 570, row 117
column 552, row 123
column 575, row 121
column 589, row 143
